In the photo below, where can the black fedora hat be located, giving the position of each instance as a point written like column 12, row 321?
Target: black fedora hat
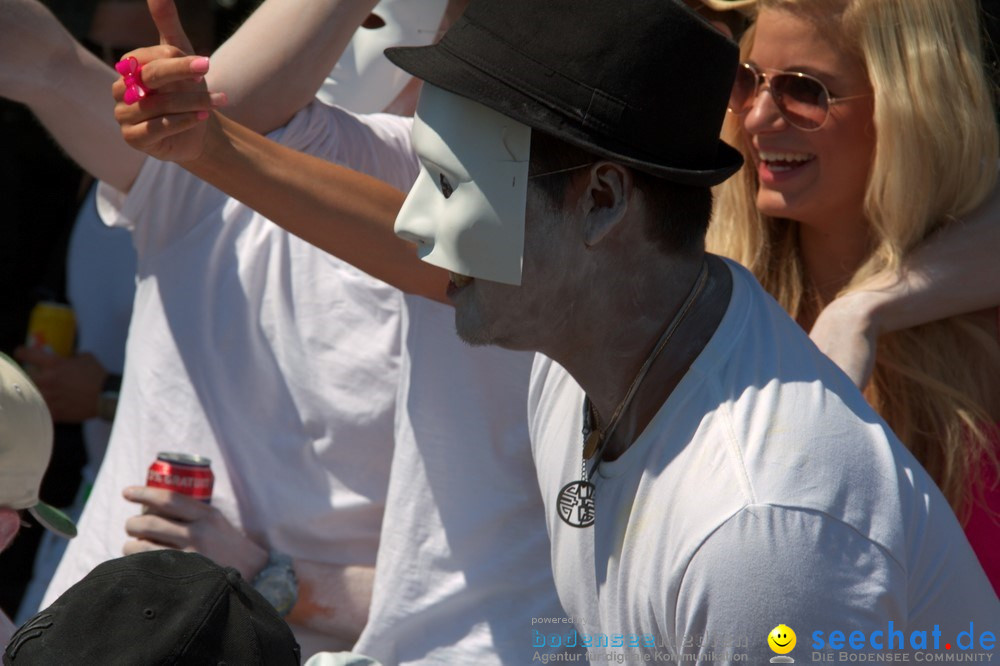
column 642, row 82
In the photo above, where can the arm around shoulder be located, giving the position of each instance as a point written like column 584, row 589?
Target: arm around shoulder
column 953, row 272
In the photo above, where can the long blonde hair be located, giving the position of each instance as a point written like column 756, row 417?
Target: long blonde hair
column 935, row 160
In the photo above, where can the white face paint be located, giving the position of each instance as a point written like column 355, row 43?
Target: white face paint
column 364, row 81
column 466, row 209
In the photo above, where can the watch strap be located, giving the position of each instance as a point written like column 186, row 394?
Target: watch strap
column 107, row 400
column 278, row 583
column 112, row 383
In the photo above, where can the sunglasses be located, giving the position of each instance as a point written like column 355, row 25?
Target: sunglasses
column 803, row 100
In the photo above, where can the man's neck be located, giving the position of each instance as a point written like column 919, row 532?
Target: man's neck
column 621, row 329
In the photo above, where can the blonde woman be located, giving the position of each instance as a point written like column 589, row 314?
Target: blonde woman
column 868, row 127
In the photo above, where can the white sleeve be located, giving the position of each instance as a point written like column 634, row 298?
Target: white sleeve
column 165, row 203
column 771, row 565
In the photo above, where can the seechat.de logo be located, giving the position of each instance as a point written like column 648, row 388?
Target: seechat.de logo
column 781, row 640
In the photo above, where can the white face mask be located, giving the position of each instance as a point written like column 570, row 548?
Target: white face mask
column 364, row 81
column 466, row 209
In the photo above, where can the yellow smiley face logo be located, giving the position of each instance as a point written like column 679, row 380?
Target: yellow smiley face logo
column 781, row 639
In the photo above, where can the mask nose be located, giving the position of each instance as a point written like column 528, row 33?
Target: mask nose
column 415, row 221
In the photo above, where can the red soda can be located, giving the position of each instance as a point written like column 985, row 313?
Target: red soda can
column 182, row 473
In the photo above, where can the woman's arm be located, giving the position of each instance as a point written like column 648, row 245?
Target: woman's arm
column 339, row 210
column 954, row 272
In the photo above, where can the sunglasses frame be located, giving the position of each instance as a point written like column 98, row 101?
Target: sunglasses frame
column 763, row 77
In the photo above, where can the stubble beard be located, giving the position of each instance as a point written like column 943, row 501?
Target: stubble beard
column 499, row 315
column 471, row 324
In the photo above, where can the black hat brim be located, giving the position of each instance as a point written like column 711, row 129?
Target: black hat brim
column 436, row 65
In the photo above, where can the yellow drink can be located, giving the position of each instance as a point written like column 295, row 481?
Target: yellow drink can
column 52, row 326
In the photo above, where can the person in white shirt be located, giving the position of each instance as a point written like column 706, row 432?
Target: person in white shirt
column 708, row 474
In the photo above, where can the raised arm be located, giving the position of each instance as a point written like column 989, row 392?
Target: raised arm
column 343, row 212
column 278, row 58
column 339, row 210
column 270, row 69
column 43, row 67
column 954, row 272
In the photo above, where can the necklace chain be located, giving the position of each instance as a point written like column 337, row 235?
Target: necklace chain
column 594, row 437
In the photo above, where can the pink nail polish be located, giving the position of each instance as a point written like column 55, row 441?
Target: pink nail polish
column 199, row 65
column 201, row 115
column 219, row 99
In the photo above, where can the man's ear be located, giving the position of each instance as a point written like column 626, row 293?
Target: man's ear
column 607, row 197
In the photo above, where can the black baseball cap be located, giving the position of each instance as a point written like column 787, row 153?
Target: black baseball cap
column 157, row 608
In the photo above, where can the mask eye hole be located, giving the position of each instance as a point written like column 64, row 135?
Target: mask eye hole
column 373, row 22
column 446, row 188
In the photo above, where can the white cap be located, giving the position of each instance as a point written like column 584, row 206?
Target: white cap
column 25, row 447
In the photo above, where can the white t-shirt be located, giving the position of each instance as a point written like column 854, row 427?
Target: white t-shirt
column 249, row 346
column 765, row 491
column 463, row 570
column 100, row 281
column 100, row 284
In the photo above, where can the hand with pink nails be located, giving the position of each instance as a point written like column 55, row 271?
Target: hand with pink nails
column 170, row 125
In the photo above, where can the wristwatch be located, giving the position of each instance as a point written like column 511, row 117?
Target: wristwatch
column 107, row 401
column 277, row 583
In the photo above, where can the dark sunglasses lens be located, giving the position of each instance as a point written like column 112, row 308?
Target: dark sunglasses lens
column 802, row 100
column 743, row 89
